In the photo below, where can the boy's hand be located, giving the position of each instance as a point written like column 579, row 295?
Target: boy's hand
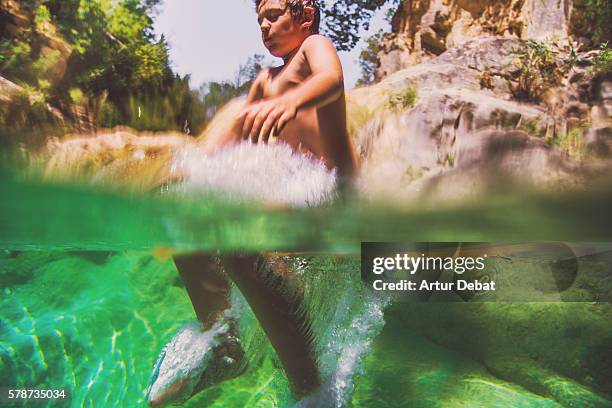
column 263, row 117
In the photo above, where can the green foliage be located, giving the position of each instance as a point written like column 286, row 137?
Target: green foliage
column 15, row 54
column 603, row 61
column 540, row 66
column 176, row 106
column 411, row 174
column 216, row 94
column 248, row 71
column 118, row 53
column 532, row 127
column 109, row 62
column 26, row 119
column 76, row 96
column 345, row 18
column 599, row 16
column 42, row 18
column 390, row 13
column 450, row 159
column 368, row 59
column 404, row 99
column 173, row 107
column 113, row 48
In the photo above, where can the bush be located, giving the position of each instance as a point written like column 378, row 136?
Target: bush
column 26, row 119
column 540, row 67
column 404, row 99
column 603, row 62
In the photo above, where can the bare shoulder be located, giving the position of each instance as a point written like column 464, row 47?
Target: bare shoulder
column 321, row 55
column 318, row 43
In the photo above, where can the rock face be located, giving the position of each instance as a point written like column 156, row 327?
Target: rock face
column 422, row 29
column 8, row 89
column 465, row 136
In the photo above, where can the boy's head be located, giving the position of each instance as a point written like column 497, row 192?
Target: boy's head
column 285, row 24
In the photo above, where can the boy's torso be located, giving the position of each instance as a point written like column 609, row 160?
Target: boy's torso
column 320, row 132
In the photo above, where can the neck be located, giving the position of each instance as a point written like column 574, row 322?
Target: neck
column 287, row 58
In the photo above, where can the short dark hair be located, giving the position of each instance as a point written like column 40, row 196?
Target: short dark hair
column 297, row 10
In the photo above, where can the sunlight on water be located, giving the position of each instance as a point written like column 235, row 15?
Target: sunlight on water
column 96, row 327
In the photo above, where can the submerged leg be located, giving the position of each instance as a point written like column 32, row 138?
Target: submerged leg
column 206, row 285
column 264, row 282
column 204, row 353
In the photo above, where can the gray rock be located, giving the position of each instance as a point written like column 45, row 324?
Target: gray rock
column 599, row 142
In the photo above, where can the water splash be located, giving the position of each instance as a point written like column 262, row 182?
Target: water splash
column 271, row 173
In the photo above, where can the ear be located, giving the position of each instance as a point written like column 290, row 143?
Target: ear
column 308, row 16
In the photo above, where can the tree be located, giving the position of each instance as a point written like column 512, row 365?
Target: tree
column 216, row 94
column 116, row 69
column 344, row 19
column 368, row 59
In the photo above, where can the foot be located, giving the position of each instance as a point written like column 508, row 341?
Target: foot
column 196, row 359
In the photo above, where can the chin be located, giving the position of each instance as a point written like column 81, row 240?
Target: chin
column 275, row 52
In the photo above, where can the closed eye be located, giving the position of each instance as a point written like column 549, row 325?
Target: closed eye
column 270, row 16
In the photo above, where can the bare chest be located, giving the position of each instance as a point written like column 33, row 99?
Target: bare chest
column 282, row 79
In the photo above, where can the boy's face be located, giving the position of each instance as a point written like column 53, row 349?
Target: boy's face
column 280, row 31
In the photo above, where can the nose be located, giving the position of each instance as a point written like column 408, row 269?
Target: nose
column 265, row 26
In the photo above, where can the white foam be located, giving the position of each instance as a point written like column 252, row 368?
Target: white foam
column 183, row 361
column 347, row 350
column 270, row 173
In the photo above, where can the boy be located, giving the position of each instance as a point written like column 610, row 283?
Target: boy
column 302, row 104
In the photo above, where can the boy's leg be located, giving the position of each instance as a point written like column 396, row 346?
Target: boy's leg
column 264, row 282
column 206, row 285
column 191, row 361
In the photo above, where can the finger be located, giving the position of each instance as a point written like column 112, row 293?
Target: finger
column 260, row 118
column 247, row 109
column 282, row 121
column 248, row 121
column 268, row 124
column 243, row 113
column 250, row 118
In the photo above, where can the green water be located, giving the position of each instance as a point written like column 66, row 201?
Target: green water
column 86, row 302
column 47, row 217
column 94, row 322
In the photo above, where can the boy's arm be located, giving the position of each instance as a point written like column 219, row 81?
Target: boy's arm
column 324, row 86
column 326, row 83
column 234, row 132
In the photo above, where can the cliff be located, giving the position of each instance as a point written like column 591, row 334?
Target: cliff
column 422, row 29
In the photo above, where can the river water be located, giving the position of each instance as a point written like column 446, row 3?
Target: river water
column 90, row 295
